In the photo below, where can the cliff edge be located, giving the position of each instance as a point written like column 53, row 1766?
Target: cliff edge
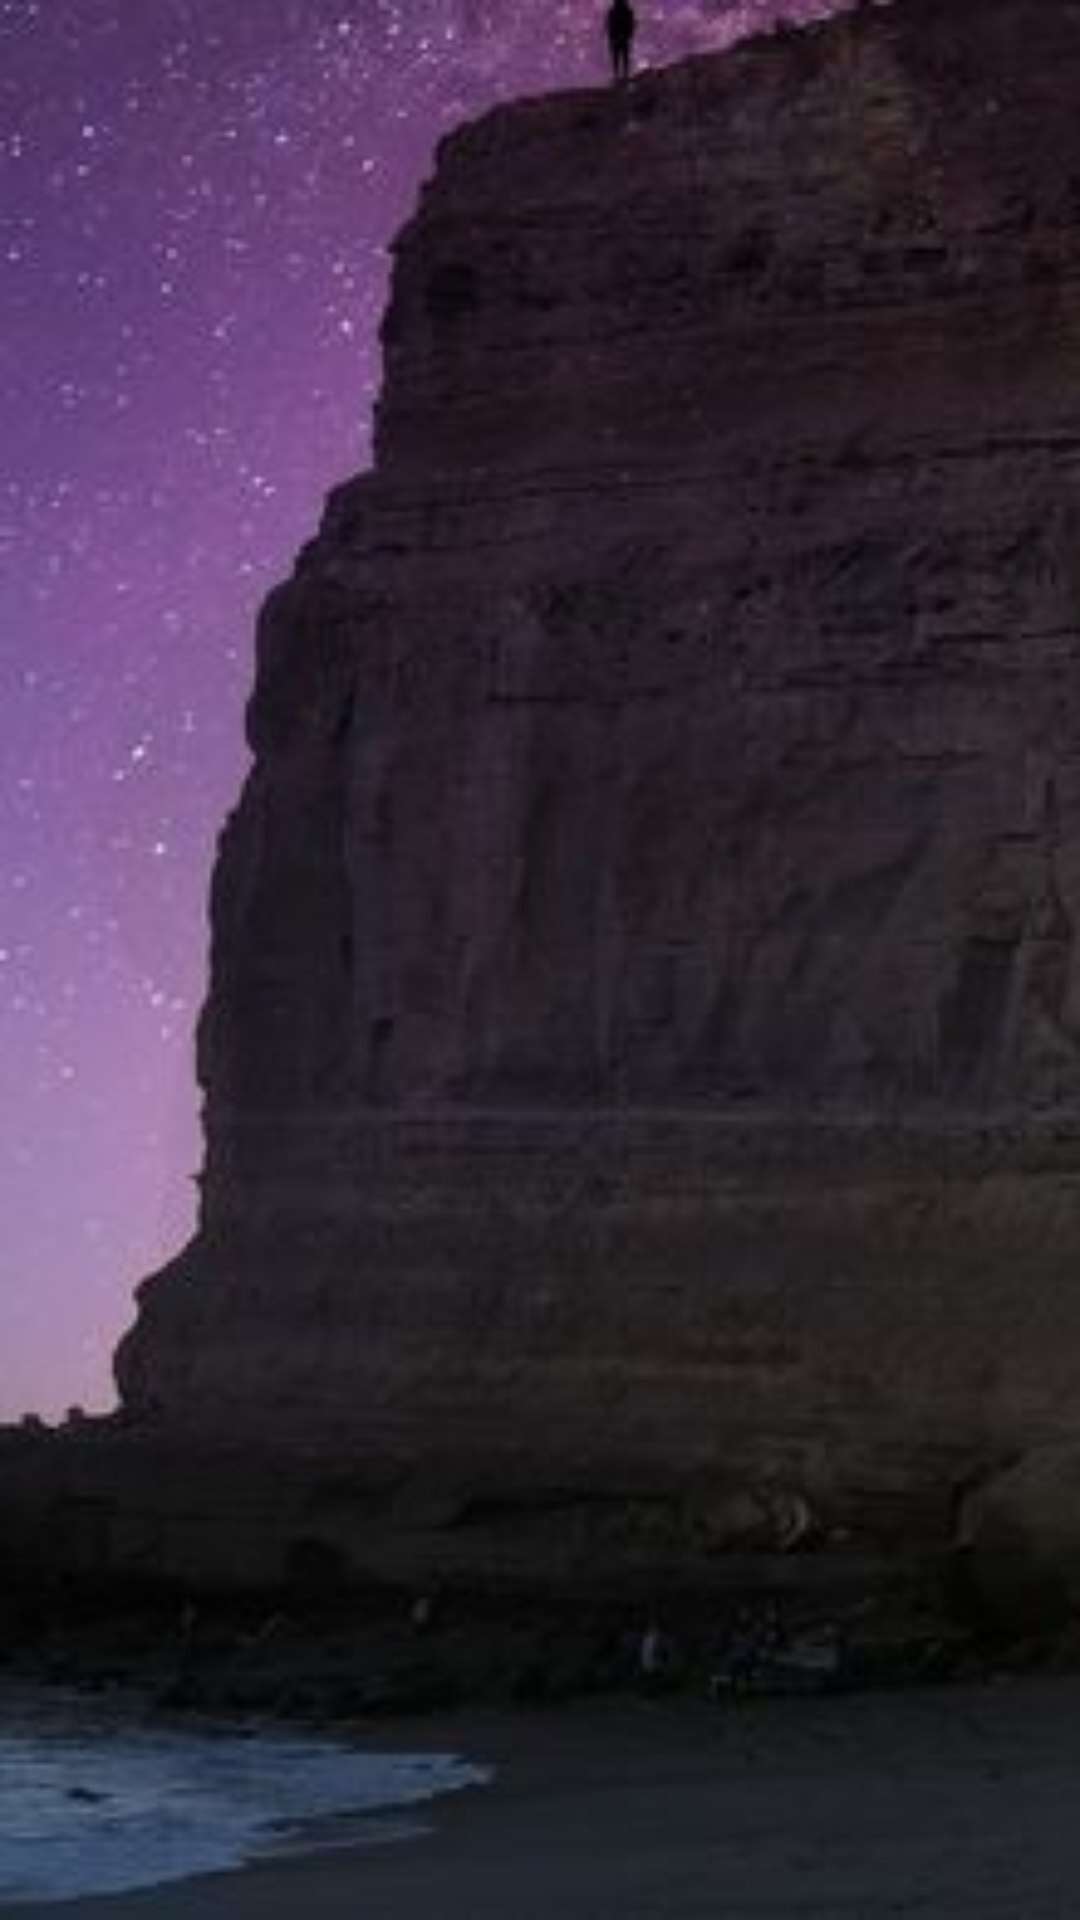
column 642, row 1053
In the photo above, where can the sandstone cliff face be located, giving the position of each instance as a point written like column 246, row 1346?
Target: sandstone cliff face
column 643, row 1046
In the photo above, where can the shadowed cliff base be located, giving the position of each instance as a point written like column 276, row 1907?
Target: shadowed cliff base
column 642, row 1052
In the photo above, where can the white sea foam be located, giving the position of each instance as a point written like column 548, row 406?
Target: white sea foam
column 86, row 1812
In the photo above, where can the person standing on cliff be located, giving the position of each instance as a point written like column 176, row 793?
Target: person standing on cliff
column 621, row 27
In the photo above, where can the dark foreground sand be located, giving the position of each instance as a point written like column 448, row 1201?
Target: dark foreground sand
column 964, row 1801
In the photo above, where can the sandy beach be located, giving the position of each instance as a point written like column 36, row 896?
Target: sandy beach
column 952, row 1802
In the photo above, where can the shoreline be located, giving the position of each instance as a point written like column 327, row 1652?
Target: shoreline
column 940, row 1802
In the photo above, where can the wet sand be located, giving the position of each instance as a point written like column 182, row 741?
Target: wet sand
column 955, row 1802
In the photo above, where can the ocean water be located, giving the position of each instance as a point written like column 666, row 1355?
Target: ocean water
column 87, row 1809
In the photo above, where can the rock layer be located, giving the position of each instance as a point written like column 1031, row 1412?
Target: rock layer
column 643, row 1043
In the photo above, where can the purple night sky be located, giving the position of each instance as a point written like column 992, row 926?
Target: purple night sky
column 195, row 202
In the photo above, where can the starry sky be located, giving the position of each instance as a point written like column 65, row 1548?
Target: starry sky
column 196, row 198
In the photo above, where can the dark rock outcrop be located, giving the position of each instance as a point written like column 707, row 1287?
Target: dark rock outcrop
column 642, row 1054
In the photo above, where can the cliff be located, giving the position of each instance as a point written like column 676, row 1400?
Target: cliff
column 642, row 1051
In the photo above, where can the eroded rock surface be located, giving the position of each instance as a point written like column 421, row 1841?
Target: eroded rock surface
column 643, row 1047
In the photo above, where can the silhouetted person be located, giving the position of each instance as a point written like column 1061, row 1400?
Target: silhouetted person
column 621, row 24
